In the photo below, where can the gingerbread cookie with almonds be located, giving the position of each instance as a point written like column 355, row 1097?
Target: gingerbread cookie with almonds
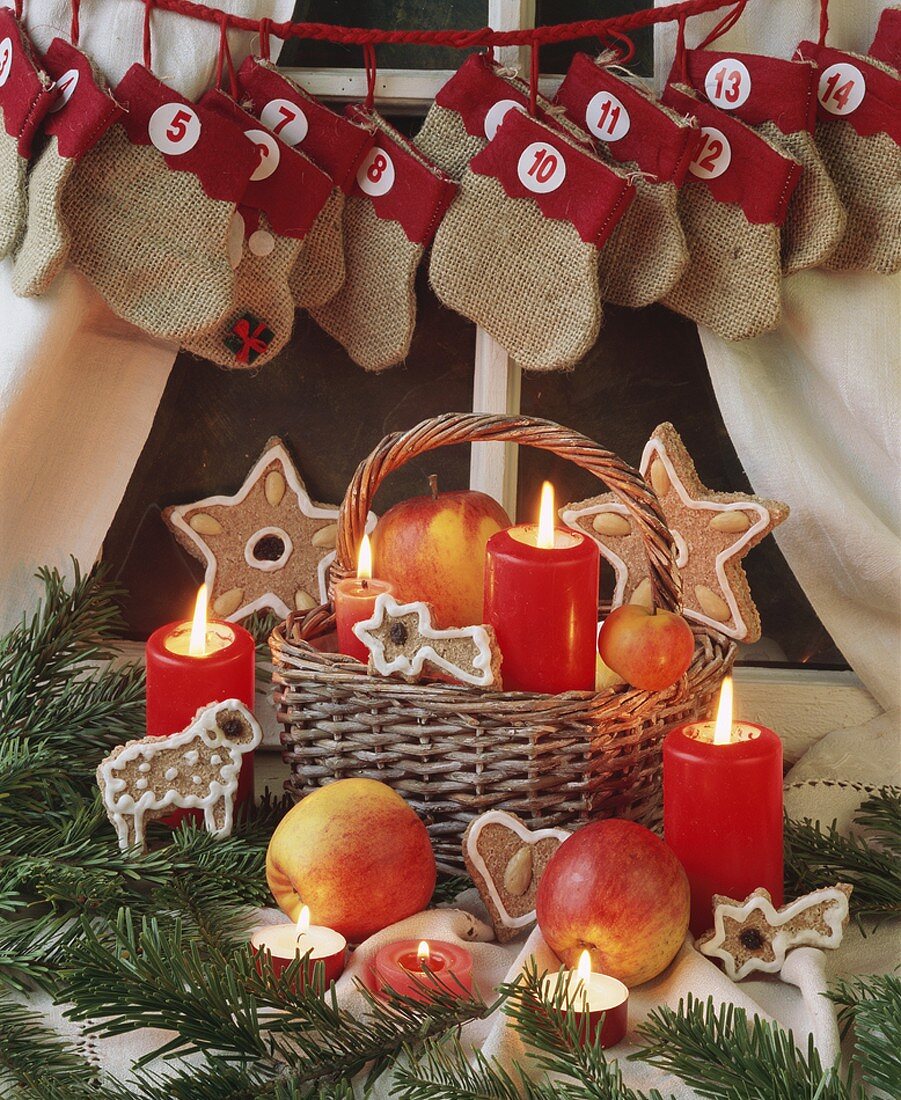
column 506, row 860
column 267, row 546
column 712, row 533
column 753, row 935
column 402, row 641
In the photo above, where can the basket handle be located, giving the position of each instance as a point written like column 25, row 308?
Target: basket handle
column 627, row 485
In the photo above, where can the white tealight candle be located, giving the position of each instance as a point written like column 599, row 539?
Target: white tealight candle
column 287, row 942
column 593, row 997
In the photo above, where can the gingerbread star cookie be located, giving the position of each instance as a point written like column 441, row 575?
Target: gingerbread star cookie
column 267, row 546
column 712, row 533
column 753, row 935
column 402, row 641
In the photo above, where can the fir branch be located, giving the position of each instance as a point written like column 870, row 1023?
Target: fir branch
column 872, row 1005
column 444, row 1071
column 448, row 888
column 724, row 1057
column 881, row 815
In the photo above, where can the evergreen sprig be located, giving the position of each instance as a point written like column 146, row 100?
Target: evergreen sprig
column 872, row 1006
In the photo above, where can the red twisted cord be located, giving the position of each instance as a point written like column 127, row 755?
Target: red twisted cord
column 824, row 21
column 148, row 4
column 74, row 28
column 457, row 39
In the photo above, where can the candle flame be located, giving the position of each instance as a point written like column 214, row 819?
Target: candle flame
column 197, row 644
column 546, row 517
column 423, row 953
column 303, row 921
column 364, row 559
column 584, row 968
column 722, row 730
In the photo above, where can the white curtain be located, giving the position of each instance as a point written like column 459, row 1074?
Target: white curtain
column 812, row 408
column 79, row 388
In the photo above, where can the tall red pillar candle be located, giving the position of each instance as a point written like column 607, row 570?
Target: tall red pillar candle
column 355, row 602
column 180, row 682
column 722, row 810
column 541, row 597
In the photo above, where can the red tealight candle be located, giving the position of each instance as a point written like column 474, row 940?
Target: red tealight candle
column 355, row 602
column 406, row 966
column 193, row 664
column 600, row 1002
column 722, row 808
column 287, row 942
column 541, row 597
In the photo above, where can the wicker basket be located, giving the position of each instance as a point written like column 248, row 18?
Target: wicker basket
column 455, row 751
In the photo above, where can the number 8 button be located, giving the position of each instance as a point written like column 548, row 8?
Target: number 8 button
column 376, row 174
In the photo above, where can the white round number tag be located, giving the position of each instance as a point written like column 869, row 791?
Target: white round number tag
column 269, row 152
column 6, row 60
column 286, row 119
column 541, row 167
column 728, row 84
column 375, row 175
column 65, row 86
column 497, row 113
column 842, row 88
column 606, row 117
column 174, row 128
column 714, row 156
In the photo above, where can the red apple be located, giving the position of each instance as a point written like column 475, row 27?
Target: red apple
column 615, row 889
column 649, row 650
column 432, row 548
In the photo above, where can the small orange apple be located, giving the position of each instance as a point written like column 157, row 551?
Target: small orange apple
column 649, row 650
column 432, row 548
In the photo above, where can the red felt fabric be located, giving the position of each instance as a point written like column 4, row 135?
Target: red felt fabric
column 887, row 41
column 27, row 93
column 89, row 111
column 880, row 108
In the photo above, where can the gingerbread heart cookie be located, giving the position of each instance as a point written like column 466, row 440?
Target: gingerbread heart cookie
column 506, row 860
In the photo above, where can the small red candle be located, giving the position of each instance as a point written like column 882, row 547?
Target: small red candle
column 600, row 1002
column 355, row 602
column 541, row 597
column 193, row 664
column 722, row 808
column 406, row 966
column 287, row 942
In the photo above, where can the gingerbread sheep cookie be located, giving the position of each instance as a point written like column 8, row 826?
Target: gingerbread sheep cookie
column 402, row 642
column 712, row 533
column 196, row 768
column 506, row 860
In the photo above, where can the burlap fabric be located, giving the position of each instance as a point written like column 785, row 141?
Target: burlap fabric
column 444, row 139
column 45, row 242
column 152, row 242
column 530, row 282
column 13, row 202
column 733, row 281
column 319, row 272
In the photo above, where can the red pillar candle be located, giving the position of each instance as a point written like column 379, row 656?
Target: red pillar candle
column 722, row 808
column 406, row 966
column 599, row 1002
column 355, row 602
column 541, row 597
column 193, row 664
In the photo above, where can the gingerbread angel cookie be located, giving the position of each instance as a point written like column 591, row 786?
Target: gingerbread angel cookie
column 268, row 545
column 402, row 641
column 753, row 935
column 712, row 533
column 506, row 861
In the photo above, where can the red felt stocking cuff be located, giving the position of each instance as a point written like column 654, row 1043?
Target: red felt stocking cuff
column 851, row 88
column 84, row 111
column 26, row 91
column 887, row 42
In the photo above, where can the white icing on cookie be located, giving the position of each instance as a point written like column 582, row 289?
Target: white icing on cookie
column 498, row 817
column 570, row 516
column 171, row 773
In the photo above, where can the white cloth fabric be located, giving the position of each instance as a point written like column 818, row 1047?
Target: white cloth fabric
column 812, row 408
column 78, row 388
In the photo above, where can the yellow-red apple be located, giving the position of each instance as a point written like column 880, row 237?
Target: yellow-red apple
column 649, row 650
column 356, row 853
column 616, row 890
column 432, row 548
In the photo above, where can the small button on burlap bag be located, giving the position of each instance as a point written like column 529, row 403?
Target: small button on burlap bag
column 82, row 114
column 733, row 202
column 777, row 98
column 26, row 95
column 858, row 132
column 398, row 200
column 150, row 205
column 331, row 141
column 886, row 44
column 278, row 209
column 647, row 251
column 517, row 252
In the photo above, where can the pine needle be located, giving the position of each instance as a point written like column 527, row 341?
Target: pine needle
column 872, row 1006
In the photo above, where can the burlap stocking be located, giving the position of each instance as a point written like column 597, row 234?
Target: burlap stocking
column 647, row 252
column 149, row 209
column 398, row 199
column 732, row 205
column 26, row 95
column 280, row 205
column 858, row 133
column 886, row 44
column 777, row 98
column 82, row 114
column 334, row 143
column 517, row 251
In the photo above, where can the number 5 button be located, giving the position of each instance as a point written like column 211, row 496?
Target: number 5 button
column 174, row 128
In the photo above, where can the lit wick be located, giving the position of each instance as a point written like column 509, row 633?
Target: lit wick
column 364, row 563
column 303, row 922
column 197, row 644
column 546, row 539
column 722, row 730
